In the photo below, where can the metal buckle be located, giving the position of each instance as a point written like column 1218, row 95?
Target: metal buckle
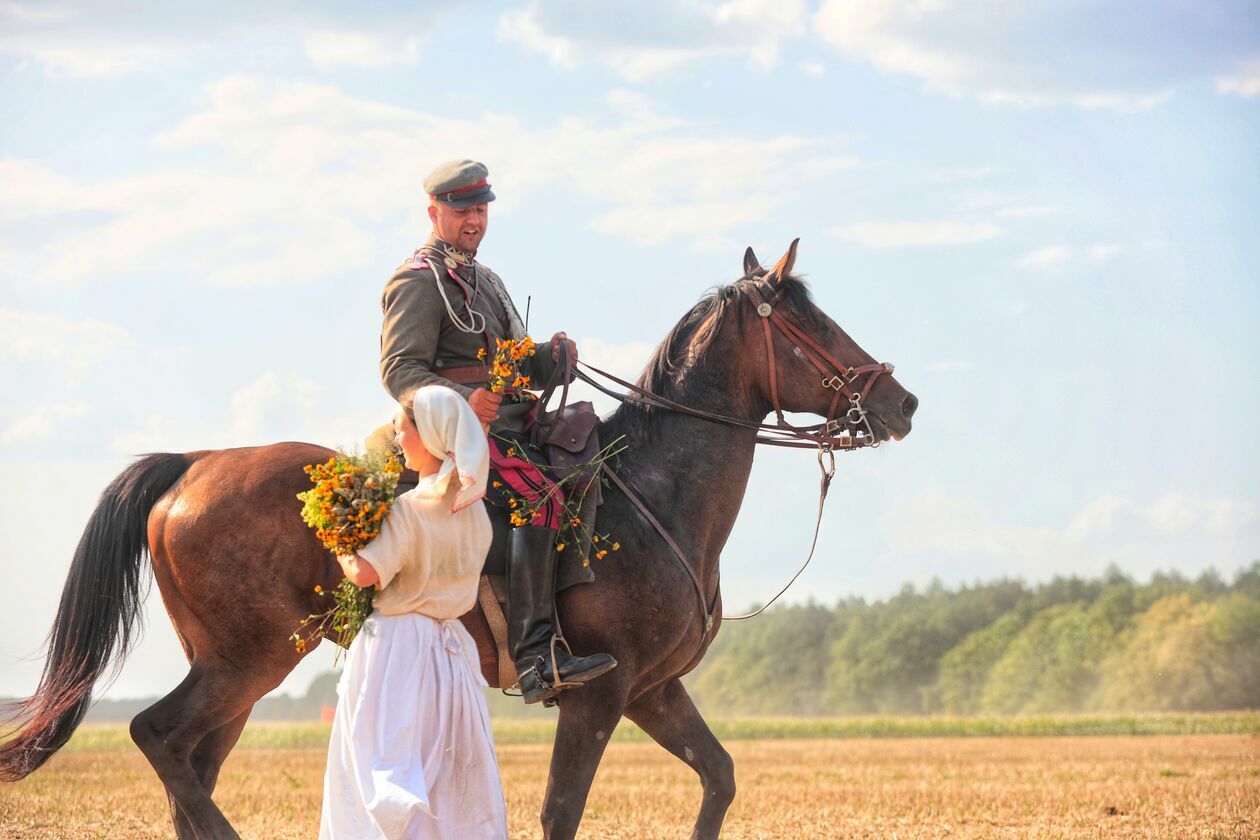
column 835, row 383
column 828, row 470
column 764, row 310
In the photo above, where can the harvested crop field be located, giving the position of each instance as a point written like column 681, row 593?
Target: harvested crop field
column 1185, row 786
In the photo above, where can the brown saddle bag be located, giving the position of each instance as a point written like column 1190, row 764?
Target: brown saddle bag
column 568, row 437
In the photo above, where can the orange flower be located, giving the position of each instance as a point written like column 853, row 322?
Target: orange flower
column 319, row 590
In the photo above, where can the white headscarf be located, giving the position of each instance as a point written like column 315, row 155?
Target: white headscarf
column 451, row 431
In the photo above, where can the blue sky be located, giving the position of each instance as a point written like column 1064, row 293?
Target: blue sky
column 1044, row 213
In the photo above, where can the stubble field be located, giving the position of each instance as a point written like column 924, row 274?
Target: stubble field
column 1159, row 786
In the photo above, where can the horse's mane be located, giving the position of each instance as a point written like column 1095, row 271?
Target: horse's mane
column 695, row 331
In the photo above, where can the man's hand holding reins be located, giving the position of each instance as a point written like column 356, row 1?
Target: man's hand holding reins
column 563, row 338
column 485, row 404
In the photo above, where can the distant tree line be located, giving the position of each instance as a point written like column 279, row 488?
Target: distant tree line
column 1069, row 645
column 321, row 692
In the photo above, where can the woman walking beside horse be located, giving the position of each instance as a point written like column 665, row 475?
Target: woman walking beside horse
column 411, row 755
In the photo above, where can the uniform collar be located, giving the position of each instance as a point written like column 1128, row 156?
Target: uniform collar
column 450, row 252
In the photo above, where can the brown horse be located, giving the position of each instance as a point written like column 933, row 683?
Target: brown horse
column 236, row 566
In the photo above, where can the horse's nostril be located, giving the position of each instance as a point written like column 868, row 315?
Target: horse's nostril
column 908, row 405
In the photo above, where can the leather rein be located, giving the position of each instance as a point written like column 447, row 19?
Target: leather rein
column 852, row 431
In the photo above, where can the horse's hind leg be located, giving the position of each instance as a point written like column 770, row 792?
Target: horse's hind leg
column 207, row 759
column 212, row 702
column 668, row 715
column 209, row 755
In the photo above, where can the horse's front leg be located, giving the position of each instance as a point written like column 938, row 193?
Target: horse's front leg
column 668, row 715
column 588, row 716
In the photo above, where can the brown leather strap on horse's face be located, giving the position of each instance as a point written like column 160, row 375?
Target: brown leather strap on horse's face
column 835, row 374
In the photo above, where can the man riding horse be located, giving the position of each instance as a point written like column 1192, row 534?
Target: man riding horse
column 444, row 312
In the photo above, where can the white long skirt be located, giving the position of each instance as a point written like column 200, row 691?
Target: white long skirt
column 411, row 754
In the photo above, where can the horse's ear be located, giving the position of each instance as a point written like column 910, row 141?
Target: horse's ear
column 751, row 263
column 784, row 266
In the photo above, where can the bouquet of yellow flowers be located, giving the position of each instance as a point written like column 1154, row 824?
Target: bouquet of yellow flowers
column 505, row 367
column 346, row 508
column 350, row 499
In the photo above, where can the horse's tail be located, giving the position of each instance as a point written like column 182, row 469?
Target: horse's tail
column 98, row 616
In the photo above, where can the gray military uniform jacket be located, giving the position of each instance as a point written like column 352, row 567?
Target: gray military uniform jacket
column 421, row 336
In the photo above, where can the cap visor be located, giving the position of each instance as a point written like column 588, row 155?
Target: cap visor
column 469, row 199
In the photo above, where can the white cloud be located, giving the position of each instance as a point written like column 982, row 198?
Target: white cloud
column 100, row 40
column 1024, row 211
column 339, row 47
column 1173, row 531
column 87, row 53
column 48, row 337
column 643, row 39
column 275, row 406
column 28, row 13
column 715, row 245
column 1045, row 258
column 1102, row 251
column 1037, row 54
column 42, row 422
column 1178, row 514
column 269, row 396
column 917, row 234
column 655, row 225
column 1092, row 101
column 1245, row 82
column 1054, row 256
column 1097, row 517
column 295, row 181
column 970, row 173
column 813, row 68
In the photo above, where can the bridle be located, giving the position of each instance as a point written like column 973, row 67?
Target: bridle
column 836, row 376
column 851, row 431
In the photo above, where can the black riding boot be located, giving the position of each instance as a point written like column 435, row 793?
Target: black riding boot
column 531, row 576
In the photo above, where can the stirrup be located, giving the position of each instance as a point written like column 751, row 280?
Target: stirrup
column 541, row 689
column 558, row 684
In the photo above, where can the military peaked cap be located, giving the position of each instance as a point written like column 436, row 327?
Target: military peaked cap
column 459, row 183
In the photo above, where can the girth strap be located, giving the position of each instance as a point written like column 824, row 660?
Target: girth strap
column 706, row 609
column 493, row 611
